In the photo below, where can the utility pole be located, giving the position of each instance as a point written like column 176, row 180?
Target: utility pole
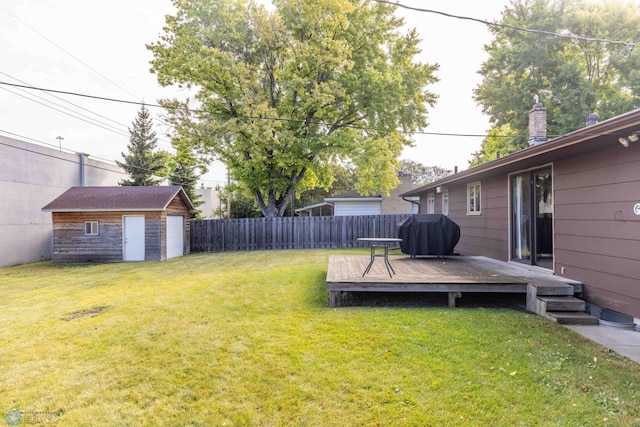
column 60, row 142
column 228, row 195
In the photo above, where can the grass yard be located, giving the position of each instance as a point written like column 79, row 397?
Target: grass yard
column 247, row 339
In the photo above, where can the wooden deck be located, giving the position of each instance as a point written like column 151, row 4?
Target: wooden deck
column 451, row 275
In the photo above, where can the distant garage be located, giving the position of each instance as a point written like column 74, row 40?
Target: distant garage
column 114, row 224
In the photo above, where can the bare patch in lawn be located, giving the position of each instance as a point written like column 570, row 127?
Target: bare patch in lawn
column 88, row 312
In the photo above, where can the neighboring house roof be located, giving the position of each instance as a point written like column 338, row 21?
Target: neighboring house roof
column 310, row 207
column 122, row 198
column 601, row 135
column 352, row 196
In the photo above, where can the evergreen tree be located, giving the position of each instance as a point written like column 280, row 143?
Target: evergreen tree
column 143, row 163
column 184, row 172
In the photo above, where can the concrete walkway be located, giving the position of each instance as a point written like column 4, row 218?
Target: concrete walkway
column 625, row 342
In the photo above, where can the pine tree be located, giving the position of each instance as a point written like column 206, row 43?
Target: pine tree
column 184, row 173
column 142, row 162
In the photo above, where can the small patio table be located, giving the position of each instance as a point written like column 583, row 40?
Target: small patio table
column 380, row 242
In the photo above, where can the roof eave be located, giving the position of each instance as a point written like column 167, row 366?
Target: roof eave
column 141, row 209
column 355, row 199
column 575, row 137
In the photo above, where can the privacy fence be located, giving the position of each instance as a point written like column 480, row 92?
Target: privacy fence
column 251, row 234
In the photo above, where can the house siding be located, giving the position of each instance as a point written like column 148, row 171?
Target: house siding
column 486, row 234
column 597, row 235
column 357, row 208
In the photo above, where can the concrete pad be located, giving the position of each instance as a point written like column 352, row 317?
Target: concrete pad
column 625, row 342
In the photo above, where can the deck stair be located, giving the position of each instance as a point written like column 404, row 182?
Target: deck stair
column 556, row 302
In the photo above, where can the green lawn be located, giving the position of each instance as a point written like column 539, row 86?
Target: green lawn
column 247, row 339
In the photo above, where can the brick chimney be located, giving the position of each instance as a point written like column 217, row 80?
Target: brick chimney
column 537, row 124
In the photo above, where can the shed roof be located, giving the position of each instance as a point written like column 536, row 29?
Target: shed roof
column 121, row 198
column 352, row 195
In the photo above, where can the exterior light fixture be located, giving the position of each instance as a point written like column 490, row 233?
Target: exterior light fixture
column 632, row 137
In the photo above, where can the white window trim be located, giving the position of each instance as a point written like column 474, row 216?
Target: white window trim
column 431, row 203
column 477, row 208
column 93, row 228
column 445, row 202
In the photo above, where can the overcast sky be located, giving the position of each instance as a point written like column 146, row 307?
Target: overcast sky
column 98, row 48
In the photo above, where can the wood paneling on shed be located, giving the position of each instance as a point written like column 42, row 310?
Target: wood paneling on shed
column 70, row 244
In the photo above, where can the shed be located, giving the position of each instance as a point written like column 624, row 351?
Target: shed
column 114, row 224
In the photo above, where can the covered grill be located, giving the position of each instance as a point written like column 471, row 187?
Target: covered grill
column 428, row 234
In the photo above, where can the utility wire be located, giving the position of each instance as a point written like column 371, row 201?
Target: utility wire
column 86, row 164
column 67, row 102
column 86, row 120
column 25, row 85
column 70, row 54
column 278, row 119
column 630, row 45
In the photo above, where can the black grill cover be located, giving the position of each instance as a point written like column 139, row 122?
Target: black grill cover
column 428, row 234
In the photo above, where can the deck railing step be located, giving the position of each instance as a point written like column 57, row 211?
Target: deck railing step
column 562, row 303
column 572, row 318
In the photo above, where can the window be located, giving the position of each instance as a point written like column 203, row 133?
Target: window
column 431, row 203
column 91, row 228
column 473, row 198
column 445, row 202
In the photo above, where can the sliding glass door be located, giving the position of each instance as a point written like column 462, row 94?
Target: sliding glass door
column 532, row 218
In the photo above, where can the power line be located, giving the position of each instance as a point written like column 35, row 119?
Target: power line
column 630, row 45
column 68, row 53
column 26, row 85
column 190, row 110
column 448, row 134
column 67, row 102
column 88, row 165
column 86, row 120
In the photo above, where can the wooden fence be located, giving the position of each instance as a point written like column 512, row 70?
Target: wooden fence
column 250, row 234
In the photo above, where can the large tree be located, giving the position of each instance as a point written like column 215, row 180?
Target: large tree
column 422, row 174
column 143, row 162
column 282, row 93
column 573, row 75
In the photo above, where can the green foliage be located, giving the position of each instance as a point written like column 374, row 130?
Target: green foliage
column 184, row 172
column 286, row 92
column 572, row 77
column 500, row 140
column 422, row 174
column 142, row 162
column 344, row 180
column 242, row 206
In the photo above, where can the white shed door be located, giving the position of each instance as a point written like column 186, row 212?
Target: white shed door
column 175, row 236
column 133, row 238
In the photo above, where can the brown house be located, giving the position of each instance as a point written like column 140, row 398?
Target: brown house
column 114, row 224
column 570, row 205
